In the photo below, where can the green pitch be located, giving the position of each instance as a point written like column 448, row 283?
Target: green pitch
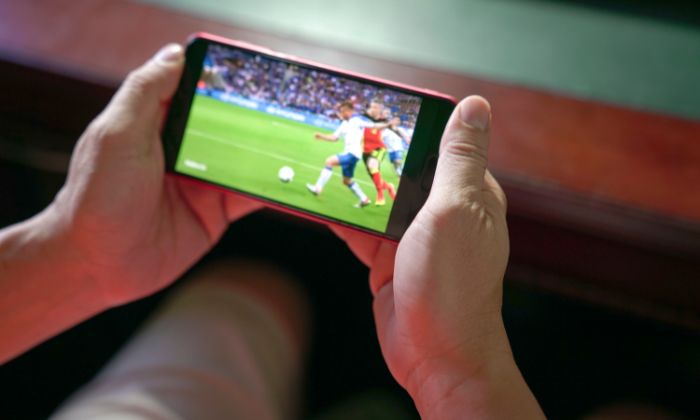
column 244, row 149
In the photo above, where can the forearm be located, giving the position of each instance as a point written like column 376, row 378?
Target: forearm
column 42, row 288
column 326, row 137
column 381, row 126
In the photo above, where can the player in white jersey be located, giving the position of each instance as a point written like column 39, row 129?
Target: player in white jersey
column 395, row 138
column 351, row 131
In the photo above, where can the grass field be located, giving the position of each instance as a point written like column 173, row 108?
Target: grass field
column 244, row 149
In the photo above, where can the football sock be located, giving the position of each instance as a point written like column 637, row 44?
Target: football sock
column 391, row 189
column 379, row 185
column 358, row 191
column 323, row 178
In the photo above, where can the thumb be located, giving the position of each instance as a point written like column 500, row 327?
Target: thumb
column 141, row 100
column 464, row 149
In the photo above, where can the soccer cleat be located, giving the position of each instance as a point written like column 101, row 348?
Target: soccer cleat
column 392, row 190
column 363, row 204
column 380, row 202
column 312, row 189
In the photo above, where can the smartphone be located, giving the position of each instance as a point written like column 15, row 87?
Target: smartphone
column 305, row 138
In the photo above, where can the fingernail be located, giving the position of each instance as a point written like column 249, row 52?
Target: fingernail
column 476, row 112
column 171, row 53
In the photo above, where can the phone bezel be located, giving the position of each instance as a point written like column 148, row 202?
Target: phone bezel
column 418, row 168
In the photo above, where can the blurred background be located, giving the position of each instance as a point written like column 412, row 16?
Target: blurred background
column 596, row 140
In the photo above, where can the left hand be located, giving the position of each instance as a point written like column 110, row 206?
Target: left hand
column 134, row 229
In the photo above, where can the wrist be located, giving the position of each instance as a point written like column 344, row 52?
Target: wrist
column 60, row 247
column 465, row 382
column 44, row 287
column 33, row 240
column 46, row 242
column 451, row 394
column 48, row 237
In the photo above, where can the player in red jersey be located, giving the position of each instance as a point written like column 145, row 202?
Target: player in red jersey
column 373, row 152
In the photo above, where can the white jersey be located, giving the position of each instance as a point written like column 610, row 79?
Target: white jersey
column 394, row 142
column 352, row 133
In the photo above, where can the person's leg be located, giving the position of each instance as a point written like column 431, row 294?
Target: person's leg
column 348, row 164
column 325, row 175
column 228, row 344
column 396, row 158
column 372, row 165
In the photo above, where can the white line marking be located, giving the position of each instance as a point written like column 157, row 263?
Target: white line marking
column 269, row 154
column 195, row 165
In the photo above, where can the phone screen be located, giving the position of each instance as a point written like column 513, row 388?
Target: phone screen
column 310, row 139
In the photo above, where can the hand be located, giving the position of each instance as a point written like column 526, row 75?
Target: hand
column 437, row 299
column 134, row 228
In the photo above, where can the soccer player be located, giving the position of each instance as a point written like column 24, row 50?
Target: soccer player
column 214, row 75
column 395, row 137
column 374, row 150
column 350, row 130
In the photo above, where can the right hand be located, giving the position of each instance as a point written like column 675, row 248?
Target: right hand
column 437, row 298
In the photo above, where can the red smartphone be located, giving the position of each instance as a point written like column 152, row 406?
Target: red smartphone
column 305, row 138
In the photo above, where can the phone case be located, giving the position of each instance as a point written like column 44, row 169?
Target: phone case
column 281, row 207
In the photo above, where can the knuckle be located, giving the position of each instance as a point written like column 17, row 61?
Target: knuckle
column 496, row 199
column 139, row 82
column 458, row 205
column 456, row 195
column 504, row 200
column 462, row 146
column 465, row 197
column 494, row 190
column 104, row 131
column 466, row 212
column 94, row 127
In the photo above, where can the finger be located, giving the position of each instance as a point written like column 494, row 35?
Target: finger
column 214, row 209
column 141, row 99
column 491, row 186
column 382, row 272
column 238, row 206
column 375, row 253
column 464, row 148
column 206, row 204
column 384, row 312
column 364, row 247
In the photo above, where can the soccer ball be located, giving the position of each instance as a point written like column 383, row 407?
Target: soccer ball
column 286, row 174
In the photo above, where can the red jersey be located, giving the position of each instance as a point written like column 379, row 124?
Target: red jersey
column 372, row 140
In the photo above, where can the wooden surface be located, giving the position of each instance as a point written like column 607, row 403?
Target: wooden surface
column 604, row 201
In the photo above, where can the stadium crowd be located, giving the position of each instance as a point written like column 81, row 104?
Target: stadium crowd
column 292, row 86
